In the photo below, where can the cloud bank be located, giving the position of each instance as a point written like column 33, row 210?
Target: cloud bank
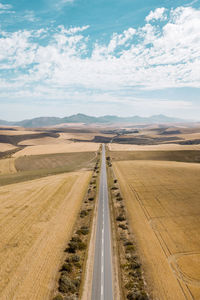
column 59, row 62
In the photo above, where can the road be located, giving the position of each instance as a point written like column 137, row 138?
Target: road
column 102, row 284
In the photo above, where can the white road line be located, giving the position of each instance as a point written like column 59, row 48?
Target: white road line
column 102, row 255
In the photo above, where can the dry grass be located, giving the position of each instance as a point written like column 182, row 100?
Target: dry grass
column 162, row 199
column 36, row 221
column 7, row 166
column 57, row 148
column 6, row 147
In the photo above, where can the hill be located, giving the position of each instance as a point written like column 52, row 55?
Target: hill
column 82, row 118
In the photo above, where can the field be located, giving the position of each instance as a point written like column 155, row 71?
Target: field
column 57, row 148
column 7, row 166
column 36, row 220
column 181, row 155
column 158, row 147
column 25, row 168
column 162, row 199
column 6, row 147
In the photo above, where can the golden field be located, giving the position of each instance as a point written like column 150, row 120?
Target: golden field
column 162, row 199
column 7, row 166
column 159, row 147
column 6, row 147
column 36, row 220
column 57, row 148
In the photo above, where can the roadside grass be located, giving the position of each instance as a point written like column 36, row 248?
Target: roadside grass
column 192, row 156
column 72, row 272
column 129, row 269
column 33, row 167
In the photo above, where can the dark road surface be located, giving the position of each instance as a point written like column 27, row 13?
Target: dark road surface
column 102, row 285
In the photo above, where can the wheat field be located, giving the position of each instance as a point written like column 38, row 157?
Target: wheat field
column 36, row 220
column 162, row 199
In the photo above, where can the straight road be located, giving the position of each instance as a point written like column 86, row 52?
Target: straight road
column 102, row 284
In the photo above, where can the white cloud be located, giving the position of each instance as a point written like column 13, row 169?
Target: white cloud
column 157, row 14
column 5, row 6
column 147, row 58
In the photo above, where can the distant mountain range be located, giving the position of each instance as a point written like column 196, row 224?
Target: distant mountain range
column 81, row 118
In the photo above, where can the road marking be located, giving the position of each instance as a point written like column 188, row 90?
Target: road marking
column 102, row 255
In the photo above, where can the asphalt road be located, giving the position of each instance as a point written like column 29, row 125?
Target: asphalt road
column 102, row 284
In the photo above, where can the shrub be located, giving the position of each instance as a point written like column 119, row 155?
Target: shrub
column 130, row 248
column 75, row 239
column 75, row 258
column 114, row 188
column 129, row 285
column 67, row 267
column 77, row 281
column 77, row 265
column 81, row 246
column 135, row 265
column 122, row 226
column 66, row 285
column 83, row 213
column 91, row 199
column 84, row 230
column 121, row 218
column 137, row 295
column 135, row 273
column 128, row 243
column 119, row 198
column 72, row 247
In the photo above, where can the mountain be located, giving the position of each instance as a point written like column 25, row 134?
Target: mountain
column 82, row 118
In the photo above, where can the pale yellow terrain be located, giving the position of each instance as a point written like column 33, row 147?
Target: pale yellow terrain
column 162, row 199
column 36, row 220
column 43, row 141
column 58, row 148
column 18, row 132
column 6, row 147
column 163, row 147
column 7, row 166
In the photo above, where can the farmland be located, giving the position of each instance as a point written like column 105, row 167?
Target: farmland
column 37, row 218
column 162, row 199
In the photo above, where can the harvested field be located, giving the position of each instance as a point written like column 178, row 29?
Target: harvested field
column 162, row 199
column 58, row 148
column 6, row 147
column 182, row 155
column 71, row 161
column 7, row 166
column 36, row 220
column 17, row 132
column 41, row 141
column 161, row 147
column 36, row 166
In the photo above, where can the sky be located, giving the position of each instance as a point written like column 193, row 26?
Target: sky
column 99, row 57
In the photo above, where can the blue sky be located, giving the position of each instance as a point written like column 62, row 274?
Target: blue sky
column 123, row 57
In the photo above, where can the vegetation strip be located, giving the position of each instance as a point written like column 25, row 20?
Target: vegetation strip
column 131, row 276
column 72, row 271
